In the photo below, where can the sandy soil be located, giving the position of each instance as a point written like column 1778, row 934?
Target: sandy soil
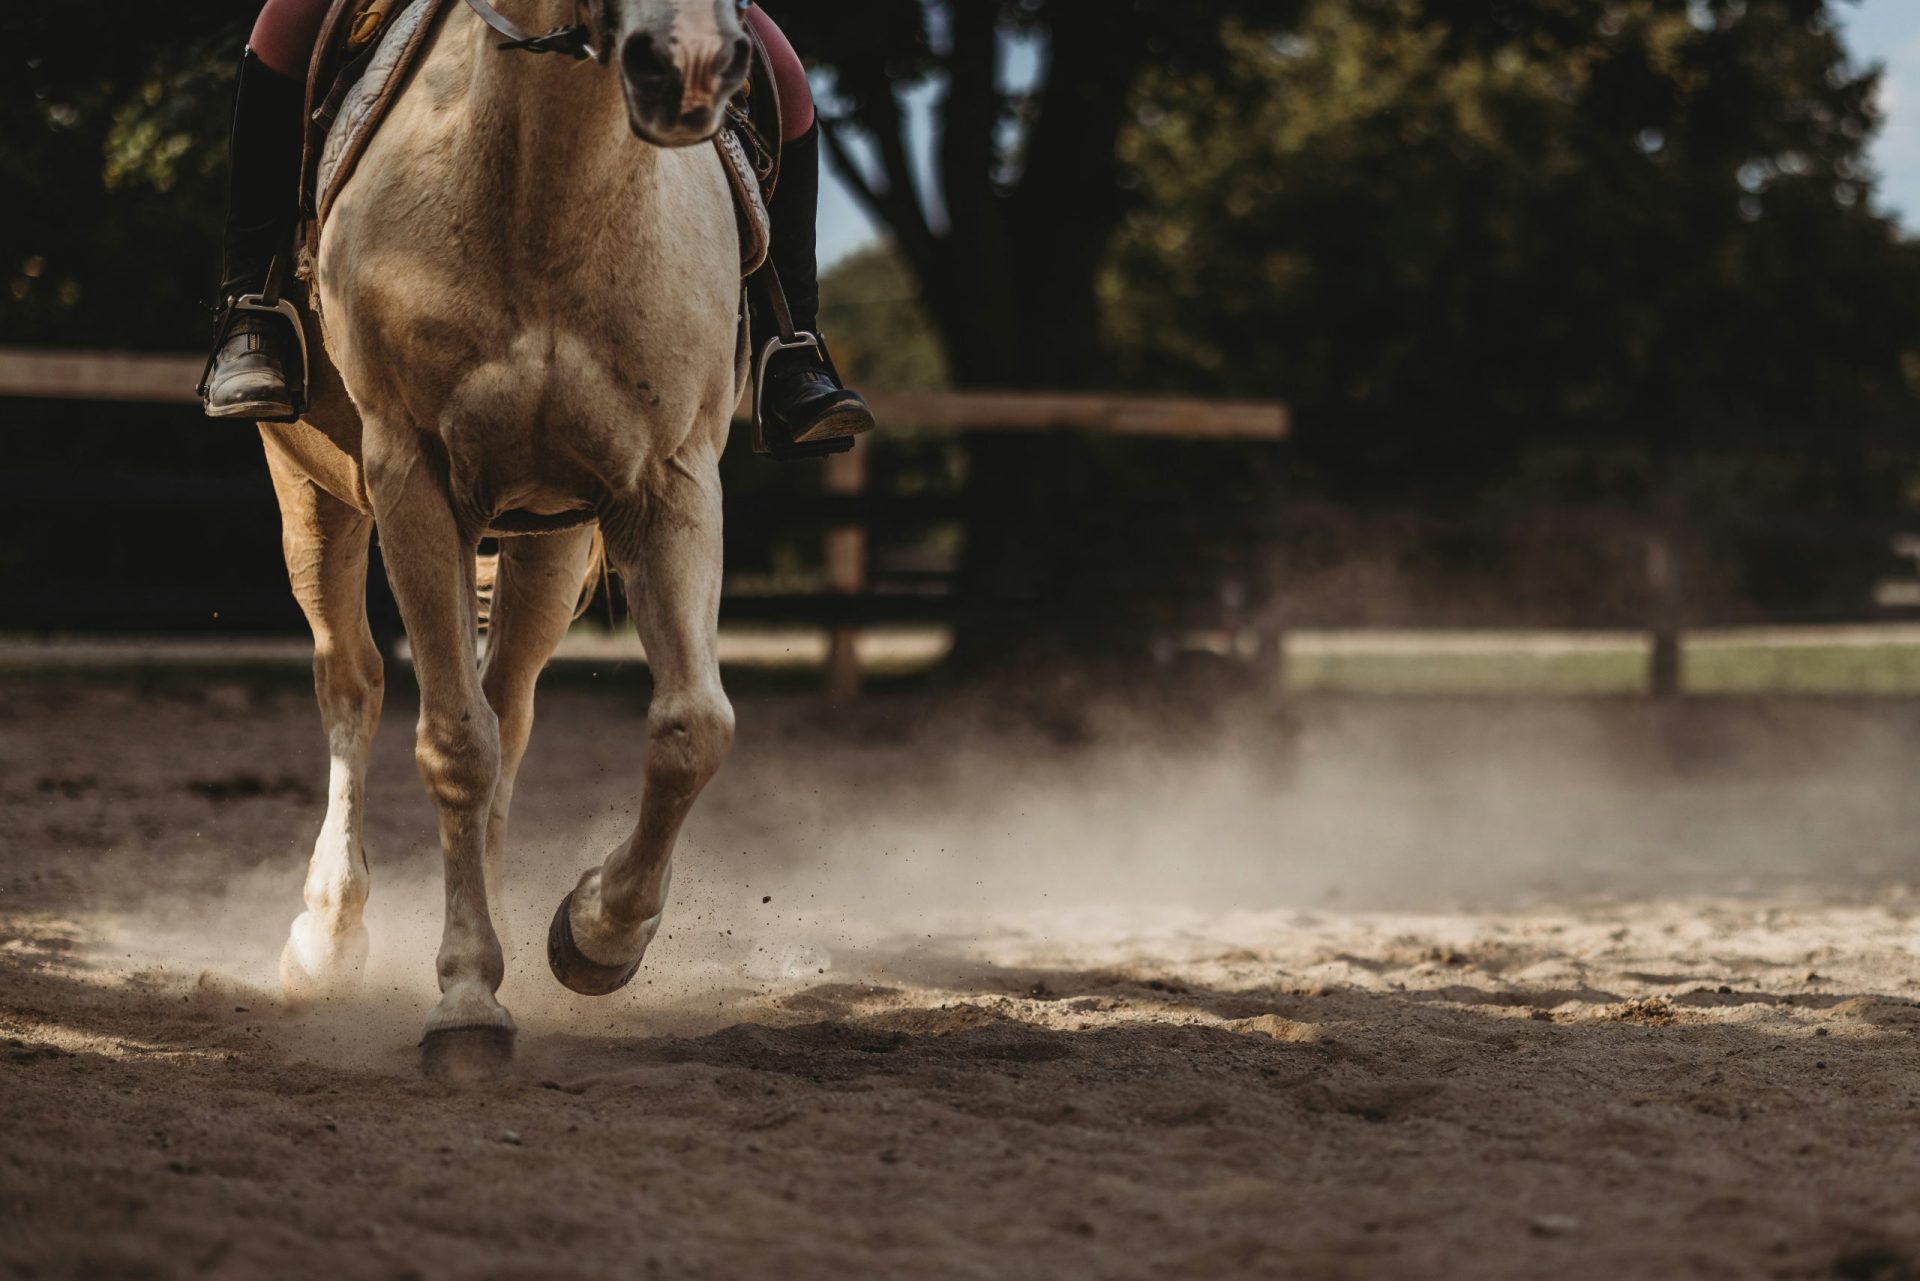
column 1372, row 990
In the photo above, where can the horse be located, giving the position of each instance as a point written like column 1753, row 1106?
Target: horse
column 530, row 305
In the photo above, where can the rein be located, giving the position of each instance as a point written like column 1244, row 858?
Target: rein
column 575, row 41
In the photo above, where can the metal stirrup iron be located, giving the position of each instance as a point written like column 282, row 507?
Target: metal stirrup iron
column 773, row 296
column 271, row 301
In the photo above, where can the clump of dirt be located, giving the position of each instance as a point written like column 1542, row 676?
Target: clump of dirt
column 1650, row 1011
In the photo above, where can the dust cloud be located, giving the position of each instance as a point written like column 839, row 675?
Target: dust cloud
column 911, row 840
column 1491, row 988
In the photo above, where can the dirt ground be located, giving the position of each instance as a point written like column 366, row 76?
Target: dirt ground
column 1368, row 989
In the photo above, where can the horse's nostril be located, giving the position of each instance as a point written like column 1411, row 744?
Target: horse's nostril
column 642, row 57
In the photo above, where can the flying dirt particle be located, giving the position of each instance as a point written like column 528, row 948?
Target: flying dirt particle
column 1555, row 1225
column 510, row 1137
column 767, row 899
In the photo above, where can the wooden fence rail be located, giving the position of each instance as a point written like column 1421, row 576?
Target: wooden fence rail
column 845, row 515
column 170, row 379
column 845, row 511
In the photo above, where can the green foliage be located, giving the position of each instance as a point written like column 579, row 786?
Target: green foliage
column 873, row 313
column 114, row 172
column 1650, row 220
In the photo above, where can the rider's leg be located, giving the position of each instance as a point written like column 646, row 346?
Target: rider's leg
column 804, row 401
column 285, row 32
column 789, row 77
column 250, row 369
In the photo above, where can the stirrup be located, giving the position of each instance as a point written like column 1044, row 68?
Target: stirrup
column 801, row 341
column 268, row 302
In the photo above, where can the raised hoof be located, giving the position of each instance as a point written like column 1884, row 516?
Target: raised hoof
column 318, row 965
column 575, row 970
column 461, row 1054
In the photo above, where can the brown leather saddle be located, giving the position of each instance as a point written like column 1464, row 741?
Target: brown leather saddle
column 367, row 50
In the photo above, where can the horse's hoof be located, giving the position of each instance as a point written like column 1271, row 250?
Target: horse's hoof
column 576, row 971
column 319, row 965
column 458, row 1055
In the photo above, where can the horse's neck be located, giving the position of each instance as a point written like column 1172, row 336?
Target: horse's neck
column 558, row 128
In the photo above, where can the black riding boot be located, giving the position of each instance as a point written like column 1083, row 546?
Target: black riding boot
column 257, row 352
column 803, row 403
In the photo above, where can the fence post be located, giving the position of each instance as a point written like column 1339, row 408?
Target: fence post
column 846, row 562
column 1664, row 675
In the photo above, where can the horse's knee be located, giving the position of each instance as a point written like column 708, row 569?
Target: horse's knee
column 337, row 885
column 688, row 736
column 459, row 757
column 350, row 682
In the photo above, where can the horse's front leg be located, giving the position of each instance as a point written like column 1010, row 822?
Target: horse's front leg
column 325, row 542
column 535, row 599
column 667, row 548
column 430, row 561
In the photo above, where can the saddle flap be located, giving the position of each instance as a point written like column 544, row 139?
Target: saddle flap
column 347, row 34
column 749, row 144
column 367, row 47
column 749, row 200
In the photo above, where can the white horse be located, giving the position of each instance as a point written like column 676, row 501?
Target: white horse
column 531, row 295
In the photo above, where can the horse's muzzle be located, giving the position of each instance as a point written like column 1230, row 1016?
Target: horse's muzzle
column 677, row 95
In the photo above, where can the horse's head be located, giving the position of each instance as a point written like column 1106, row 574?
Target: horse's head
column 681, row 62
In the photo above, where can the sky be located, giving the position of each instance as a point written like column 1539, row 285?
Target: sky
column 1882, row 31
column 1888, row 32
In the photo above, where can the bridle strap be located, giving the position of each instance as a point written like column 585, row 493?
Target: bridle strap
column 575, row 41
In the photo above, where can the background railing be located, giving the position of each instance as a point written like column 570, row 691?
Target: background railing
column 132, row 531
column 142, row 507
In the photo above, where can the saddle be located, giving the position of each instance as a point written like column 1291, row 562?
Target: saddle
column 368, row 48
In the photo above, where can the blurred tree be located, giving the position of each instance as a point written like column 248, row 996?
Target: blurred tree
column 1458, row 234
column 1448, row 230
column 1028, row 185
column 882, row 335
column 1471, row 223
column 114, row 170
column 1006, row 236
